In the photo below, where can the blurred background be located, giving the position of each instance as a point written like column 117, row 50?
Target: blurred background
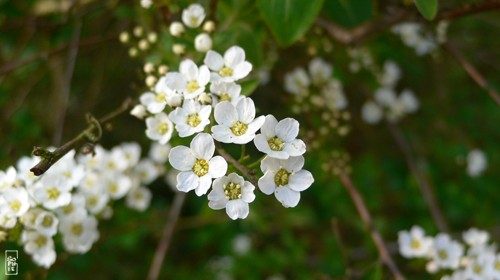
column 62, row 59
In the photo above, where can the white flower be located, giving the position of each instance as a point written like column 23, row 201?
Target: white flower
column 447, row 253
column 114, row 161
column 14, row 202
column 24, row 164
column 139, row 111
column 165, row 94
column 320, row 71
column 176, row 28
column 391, row 74
column 77, row 204
column 94, row 201
column 191, row 118
column 193, row 15
column 79, row 232
column 40, row 247
column 159, row 153
column 191, row 80
column 385, row 97
column 285, row 178
column 132, row 153
column 480, row 268
column 7, row 221
column 146, row 4
column 409, row 101
column 226, row 92
column 236, row 124
column 69, row 169
column 476, row 163
column 334, row 95
column 297, row 82
column 7, row 178
column 203, row 42
column 371, row 112
column 475, row 237
column 52, row 191
column 159, row 128
column 147, row 171
column 138, row 198
column 116, row 185
column 46, row 223
column 197, row 165
column 242, row 244
column 414, row 243
column 278, row 139
column 229, row 68
column 233, row 193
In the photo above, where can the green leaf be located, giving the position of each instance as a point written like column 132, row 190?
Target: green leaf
column 349, row 13
column 289, row 19
column 248, row 87
column 428, row 8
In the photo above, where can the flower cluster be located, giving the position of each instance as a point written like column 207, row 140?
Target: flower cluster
column 68, row 198
column 476, row 259
column 140, row 41
column 415, row 35
column 386, row 101
column 200, row 99
column 192, row 18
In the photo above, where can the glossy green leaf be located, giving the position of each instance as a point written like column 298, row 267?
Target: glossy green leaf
column 349, row 13
column 248, row 87
column 428, row 8
column 289, row 19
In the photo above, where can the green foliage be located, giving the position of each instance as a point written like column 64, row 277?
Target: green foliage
column 349, row 13
column 428, row 8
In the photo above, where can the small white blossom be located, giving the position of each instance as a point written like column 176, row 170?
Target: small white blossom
column 79, row 232
column 193, row 15
column 230, row 68
column 7, row 178
column 447, row 253
column 278, row 139
column 191, row 118
column 14, row 202
column 159, row 128
column 297, row 82
column 159, row 153
column 236, row 124
column 414, row 243
column 476, row 163
column 285, row 178
column 409, row 101
column 475, row 237
column 334, row 96
column 197, row 164
column 385, row 97
column 391, row 74
column 226, row 92
column 138, row 198
column 233, row 193
column 320, row 71
column 147, row 171
column 40, row 247
column 242, row 244
column 46, row 223
column 203, row 42
column 371, row 112
column 52, row 191
column 176, row 29
column 139, row 111
column 146, row 4
column 191, row 80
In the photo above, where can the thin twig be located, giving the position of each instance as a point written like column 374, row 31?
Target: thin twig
column 472, row 71
column 468, row 9
column 424, row 185
column 368, row 221
column 249, row 174
column 166, row 236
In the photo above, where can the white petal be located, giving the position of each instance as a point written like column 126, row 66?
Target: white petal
column 237, row 209
column 266, row 183
column 217, row 204
column 204, row 186
column 225, row 114
column 287, row 129
column 217, row 167
column 300, row 181
column 189, row 69
column 269, row 127
column 287, row 197
column 296, row 148
column 176, row 81
column 256, row 124
column 204, row 76
column 203, row 146
column 242, row 70
column 181, row 158
column 248, row 195
column 260, row 142
column 246, row 110
column 222, row 133
column 269, row 163
column 187, row 181
column 293, row 164
column 234, row 56
column 214, row 61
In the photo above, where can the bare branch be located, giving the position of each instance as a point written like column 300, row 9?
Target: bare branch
column 249, row 174
column 468, row 9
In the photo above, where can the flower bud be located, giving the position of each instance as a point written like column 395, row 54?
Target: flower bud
column 139, row 111
column 132, row 52
column 150, row 81
column 178, row 49
column 143, row 44
column 203, row 42
column 149, row 67
column 163, row 69
column 209, row 26
column 152, row 37
column 124, row 37
column 176, row 29
column 138, row 31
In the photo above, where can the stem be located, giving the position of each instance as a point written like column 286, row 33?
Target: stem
column 368, row 221
column 88, row 135
column 469, row 9
column 424, row 185
column 166, row 237
column 473, row 72
column 249, row 174
column 243, row 150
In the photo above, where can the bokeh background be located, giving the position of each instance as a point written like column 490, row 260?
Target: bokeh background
column 62, row 59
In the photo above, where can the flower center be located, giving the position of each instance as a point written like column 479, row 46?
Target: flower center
column 239, row 128
column 138, row 196
column 415, row 244
column 68, row 209
column 160, row 97
column 442, row 254
column 77, row 229
column 47, row 221
column 497, row 265
column 113, row 187
column 477, row 268
column 92, row 201
column 226, row 72
column 232, row 191
column 200, row 167
column 225, row 97
column 40, row 241
column 192, row 86
column 15, row 205
column 162, row 128
column 281, row 178
column 276, row 144
column 193, row 21
column 194, row 120
column 53, row 193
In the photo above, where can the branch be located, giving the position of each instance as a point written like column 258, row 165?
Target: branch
column 357, row 199
column 473, row 72
column 91, row 134
column 249, row 174
column 424, row 185
column 166, row 237
column 468, row 9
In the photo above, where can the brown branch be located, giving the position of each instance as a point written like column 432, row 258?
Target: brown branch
column 91, row 134
column 368, row 221
column 472, row 72
column 468, row 9
column 166, row 237
column 249, row 174
column 425, row 187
